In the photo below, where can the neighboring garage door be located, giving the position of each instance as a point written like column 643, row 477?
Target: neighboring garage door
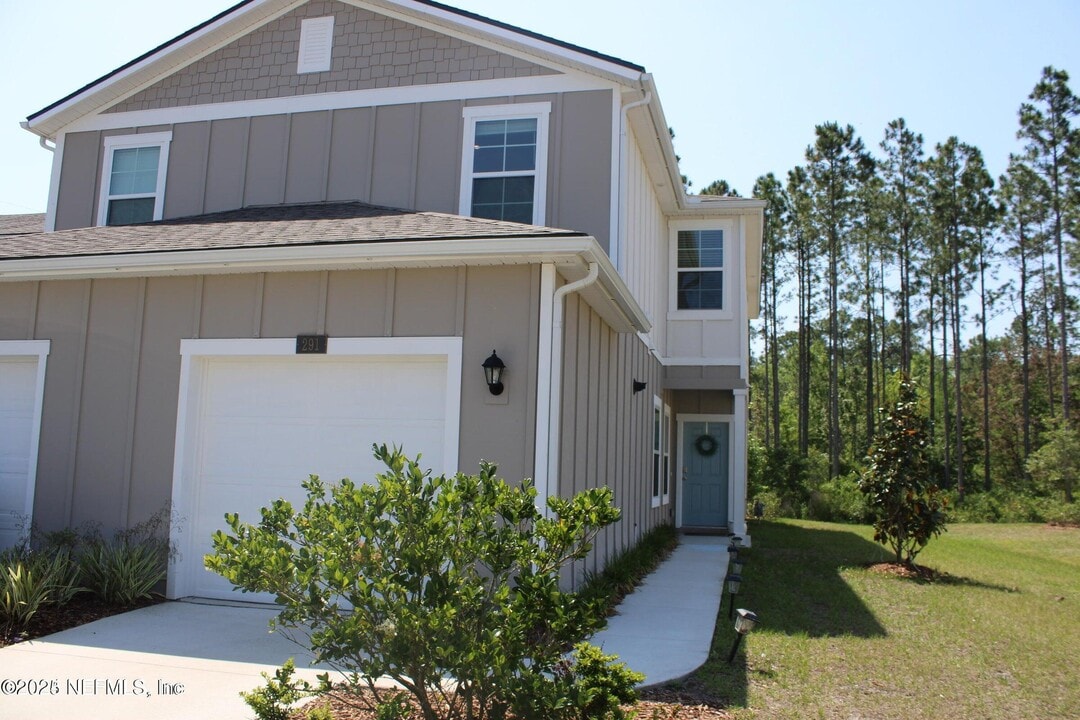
column 263, row 424
column 21, row 378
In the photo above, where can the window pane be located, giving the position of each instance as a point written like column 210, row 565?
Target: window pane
column 521, row 157
column 521, row 131
column 126, row 212
column 656, row 476
column 701, row 290
column 489, row 159
column 701, row 248
column 490, row 132
column 504, row 198
column 519, row 189
column 134, row 170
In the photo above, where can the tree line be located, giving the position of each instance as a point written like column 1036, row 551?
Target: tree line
column 890, row 262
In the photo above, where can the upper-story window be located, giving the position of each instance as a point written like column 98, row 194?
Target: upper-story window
column 504, row 162
column 133, row 178
column 700, row 270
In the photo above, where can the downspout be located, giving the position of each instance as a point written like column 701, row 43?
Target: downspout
column 42, row 141
column 620, row 232
column 551, row 474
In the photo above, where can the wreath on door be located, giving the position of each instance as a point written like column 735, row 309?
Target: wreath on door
column 706, row 445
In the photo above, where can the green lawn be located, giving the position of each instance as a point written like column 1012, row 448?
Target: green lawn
column 998, row 637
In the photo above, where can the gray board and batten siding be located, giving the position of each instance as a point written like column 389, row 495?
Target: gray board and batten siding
column 406, row 156
column 110, row 407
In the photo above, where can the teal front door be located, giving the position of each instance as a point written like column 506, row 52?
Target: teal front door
column 705, row 450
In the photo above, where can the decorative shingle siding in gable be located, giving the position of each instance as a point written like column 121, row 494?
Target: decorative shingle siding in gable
column 370, row 51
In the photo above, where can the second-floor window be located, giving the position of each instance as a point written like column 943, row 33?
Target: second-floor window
column 700, row 282
column 133, row 178
column 504, row 162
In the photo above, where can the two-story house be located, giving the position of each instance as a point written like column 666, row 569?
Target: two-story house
column 306, row 226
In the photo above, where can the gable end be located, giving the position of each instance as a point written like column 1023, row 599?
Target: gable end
column 369, row 51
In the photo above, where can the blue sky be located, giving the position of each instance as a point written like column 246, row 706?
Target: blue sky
column 743, row 83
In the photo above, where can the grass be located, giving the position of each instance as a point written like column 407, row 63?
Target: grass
column 997, row 635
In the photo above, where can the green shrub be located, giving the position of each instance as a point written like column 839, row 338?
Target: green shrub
column 839, row 500
column 274, row 700
column 128, row 567
column 601, row 685
column 22, row 593
column 426, row 579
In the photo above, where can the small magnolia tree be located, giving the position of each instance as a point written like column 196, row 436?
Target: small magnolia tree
column 448, row 585
column 909, row 508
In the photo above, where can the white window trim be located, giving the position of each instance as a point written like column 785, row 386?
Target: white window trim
column 665, row 459
column 727, row 312
column 656, row 439
column 118, row 142
column 316, row 45
column 473, row 114
column 37, row 350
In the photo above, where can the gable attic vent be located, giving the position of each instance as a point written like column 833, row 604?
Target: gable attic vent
column 316, row 41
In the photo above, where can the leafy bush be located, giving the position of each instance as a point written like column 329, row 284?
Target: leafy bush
column 274, row 700
column 839, row 500
column 427, row 579
column 30, row 580
column 1055, row 467
column 601, row 685
column 126, row 568
column 908, row 507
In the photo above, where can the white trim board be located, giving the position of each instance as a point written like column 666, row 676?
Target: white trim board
column 375, row 97
column 195, row 356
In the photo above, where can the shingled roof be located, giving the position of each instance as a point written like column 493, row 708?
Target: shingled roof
column 258, row 227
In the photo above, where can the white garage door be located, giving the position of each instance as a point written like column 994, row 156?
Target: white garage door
column 265, row 424
column 22, row 382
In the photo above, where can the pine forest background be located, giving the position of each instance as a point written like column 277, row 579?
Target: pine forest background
column 894, row 259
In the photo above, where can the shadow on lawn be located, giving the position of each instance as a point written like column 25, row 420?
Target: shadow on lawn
column 792, row 581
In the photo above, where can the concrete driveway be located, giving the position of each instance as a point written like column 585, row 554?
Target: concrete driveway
column 190, row 660
column 177, row 660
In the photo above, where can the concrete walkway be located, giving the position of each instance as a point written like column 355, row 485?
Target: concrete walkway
column 186, row 660
column 665, row 627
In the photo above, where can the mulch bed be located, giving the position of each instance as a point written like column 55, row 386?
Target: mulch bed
column 908, row 572
column 80, row 610
column 655, row 704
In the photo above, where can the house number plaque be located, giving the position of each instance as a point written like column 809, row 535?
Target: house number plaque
column 311, row 344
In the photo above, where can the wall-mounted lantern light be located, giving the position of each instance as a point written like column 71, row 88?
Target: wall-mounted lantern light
column 744, row 623
column 638, row 386
column 493, row 371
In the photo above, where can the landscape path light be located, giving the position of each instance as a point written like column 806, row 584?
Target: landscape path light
column 746, row 622
column 737, row 564
column 733, row 583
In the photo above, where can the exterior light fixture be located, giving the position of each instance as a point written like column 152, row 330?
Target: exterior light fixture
column 744, row 623
column 493, row 371
column 638, row 386
column 736, row 565
column 735, row 540
column 733, row 583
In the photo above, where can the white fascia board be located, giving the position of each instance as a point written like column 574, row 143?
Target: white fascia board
column 375, row 97
column 502, row 39
column 161, row 64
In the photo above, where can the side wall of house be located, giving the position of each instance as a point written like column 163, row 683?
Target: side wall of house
column 110, row 405
column 405, row 155
column 646, row 262
column 606, row 428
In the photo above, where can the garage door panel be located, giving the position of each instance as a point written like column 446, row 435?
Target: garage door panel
column 265, row 424
column 18, row 387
